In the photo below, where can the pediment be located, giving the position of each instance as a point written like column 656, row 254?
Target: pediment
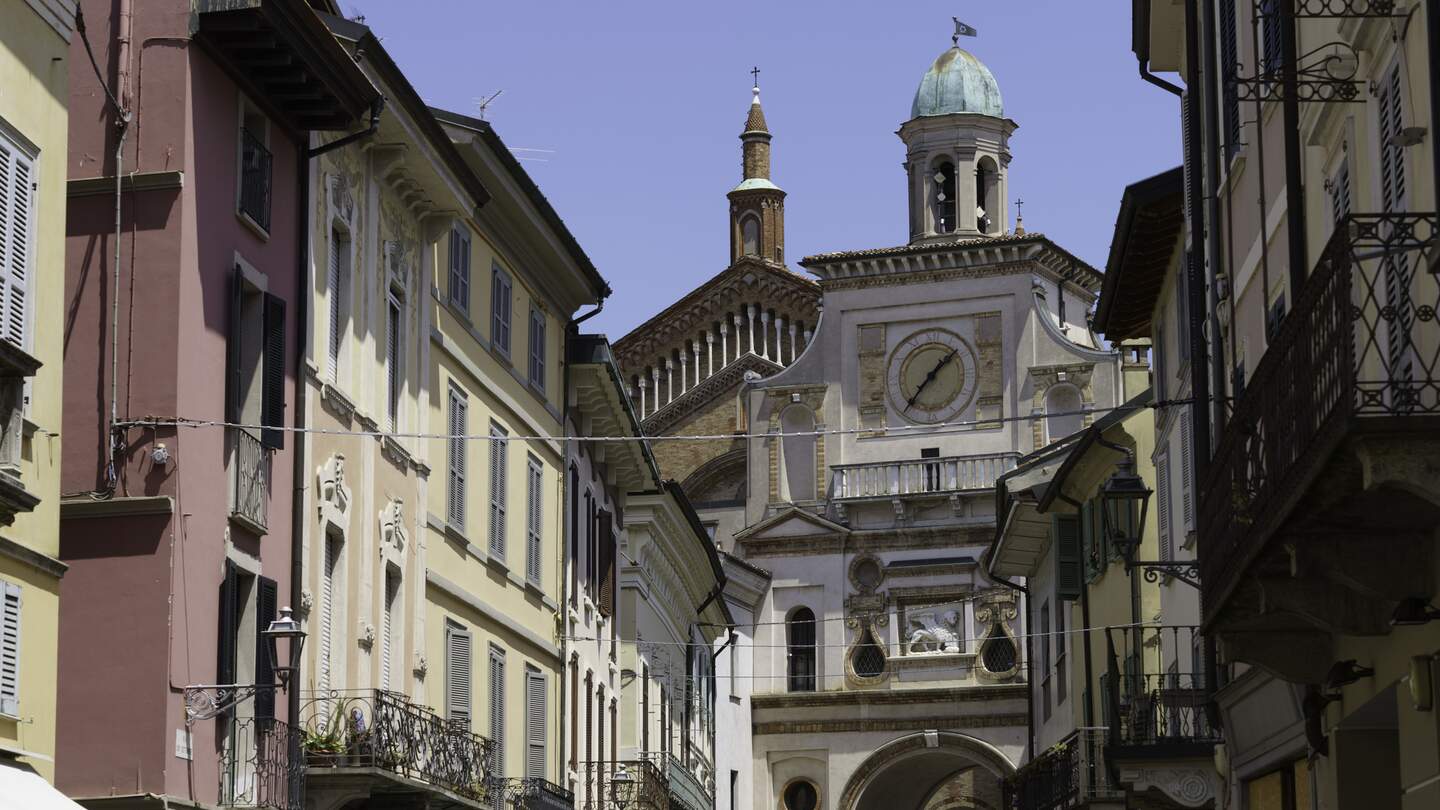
column 790, row 523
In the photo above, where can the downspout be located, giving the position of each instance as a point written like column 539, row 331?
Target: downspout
column 1140, row 43
column 376, row 107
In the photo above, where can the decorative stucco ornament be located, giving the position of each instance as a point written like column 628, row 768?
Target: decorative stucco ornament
column 334, row 494
column 392, row 524
column 367, row 635
column 421, row 666
column 933, row 632
column 307, row 601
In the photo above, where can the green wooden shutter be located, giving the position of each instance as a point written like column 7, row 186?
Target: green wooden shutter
column 1066, row 549
column 266, row 597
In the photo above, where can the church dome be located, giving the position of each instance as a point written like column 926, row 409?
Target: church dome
column 957, row 83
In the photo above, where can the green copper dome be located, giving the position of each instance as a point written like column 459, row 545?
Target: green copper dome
column 957, row 83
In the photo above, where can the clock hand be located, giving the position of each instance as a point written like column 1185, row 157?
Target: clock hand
column 929, row 377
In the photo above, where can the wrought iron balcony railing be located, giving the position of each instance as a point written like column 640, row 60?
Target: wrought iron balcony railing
column 249, row 477
column 1069, row 774
column 381, row 729
column 255, row 179
column 648, row 788
column 930, row 476
column 531, row 793
column 261, row 765
column 1155, row 694
column 686, row 787
column 1362, row 343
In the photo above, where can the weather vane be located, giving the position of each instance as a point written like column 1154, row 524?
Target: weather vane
column 962, row 30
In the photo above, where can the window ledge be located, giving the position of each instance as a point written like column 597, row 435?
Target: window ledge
column 247, row 524
column 16, row 362
column 498, row 563
column 14, row 498
column 341, row 405
column 254, row 226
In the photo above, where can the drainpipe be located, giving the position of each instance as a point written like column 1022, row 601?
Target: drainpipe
column 376, row 107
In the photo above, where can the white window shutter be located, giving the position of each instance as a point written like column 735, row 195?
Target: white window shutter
column 535, row 699
column 17, row 194
column 10, row 649
column 457, row 675
column 327, row 609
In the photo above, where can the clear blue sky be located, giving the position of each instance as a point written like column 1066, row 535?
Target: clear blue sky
column 642, row 103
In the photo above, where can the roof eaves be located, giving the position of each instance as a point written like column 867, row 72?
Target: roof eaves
column 1137, row 197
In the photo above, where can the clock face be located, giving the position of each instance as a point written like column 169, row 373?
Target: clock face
column 931, row 376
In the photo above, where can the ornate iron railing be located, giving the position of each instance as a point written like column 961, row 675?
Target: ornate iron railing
column 1155, row 689
column 255, row 178
column 648, row 787
column 1362, row 342
column 686, row 787
column 1069, row 774
column 888, row 479
column 531, row 793
column 250, row 477
column 261, row 765
column 381, row 729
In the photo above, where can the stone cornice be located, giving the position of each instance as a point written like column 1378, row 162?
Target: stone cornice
column 847, row 270
column 885, row 540
column 891, row 697
column 841, row 725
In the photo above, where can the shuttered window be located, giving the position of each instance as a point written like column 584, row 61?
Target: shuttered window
column 500, row 293
column 499, row 459
column 17, row 241
column 1229, row 61
column 460, row 268
column 1162, row 473
column 590, row 547
column 1270, row 22
column 535, row 722
column 605, row 548
column 1187, row 497
column 574, row 534
column 266, row 598
column 229, row 623
column 389, row 644
column 535, row 478
column 1069, row 578
column 329, row 592
column 455, row 476
column 272, row 403
column 1157, row 363
column 10, row 649
column 394, row 359
column 457, row 674
column 1390, row 106
column 337, row 280
column 1339, row 186
column 537, row 349
column 497, row 707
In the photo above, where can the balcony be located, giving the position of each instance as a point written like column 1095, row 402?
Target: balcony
column 686, row 789
column 533, row 794
column 249, row 479
column 255, row 178
column 1344, row 405
column 258, row 767
column 883, row 480
column 1069, row 774
column 381, row 743
column 1155, row 695
column 651, row 788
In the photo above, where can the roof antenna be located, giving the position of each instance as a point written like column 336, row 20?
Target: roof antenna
column 485, row 103
column 962, row 30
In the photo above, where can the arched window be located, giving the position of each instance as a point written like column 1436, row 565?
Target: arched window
column 987, row 195
column 942, row 196
column 801, row 795
column 750, row 236
column 800, row 649
column 1062, row 409
column 798, row 453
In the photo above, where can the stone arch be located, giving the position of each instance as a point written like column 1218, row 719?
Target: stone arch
column 944, row 753
column 719, row 480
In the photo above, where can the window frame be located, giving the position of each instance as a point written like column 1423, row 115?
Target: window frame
column 796, row 651
column 394, row 357
column 20, row 149
column 499, row 489
column 11, row 647
column 534, row 519
column 457, row 405
column 537, row 350
column 248, row 110
column 502, row 293
column 458, row 286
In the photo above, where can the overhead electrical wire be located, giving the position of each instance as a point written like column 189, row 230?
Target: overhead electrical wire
column 979, row 640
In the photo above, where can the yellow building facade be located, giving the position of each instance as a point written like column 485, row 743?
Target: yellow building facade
column 34, row 59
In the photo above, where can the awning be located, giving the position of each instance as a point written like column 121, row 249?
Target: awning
column 22, row 787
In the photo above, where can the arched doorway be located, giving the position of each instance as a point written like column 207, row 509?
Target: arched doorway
column 929, row 770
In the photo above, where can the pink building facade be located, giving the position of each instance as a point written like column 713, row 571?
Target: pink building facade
column 179, row 541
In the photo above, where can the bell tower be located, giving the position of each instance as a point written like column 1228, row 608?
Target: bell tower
column 757, row 206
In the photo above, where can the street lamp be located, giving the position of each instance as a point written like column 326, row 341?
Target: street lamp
column 203, row 701
column 622, row 787
column 1125, row 502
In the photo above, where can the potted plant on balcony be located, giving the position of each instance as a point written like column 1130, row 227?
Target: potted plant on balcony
column 325, row 744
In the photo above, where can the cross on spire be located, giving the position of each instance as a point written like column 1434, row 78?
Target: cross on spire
column 755, row 75
column 1019, row 201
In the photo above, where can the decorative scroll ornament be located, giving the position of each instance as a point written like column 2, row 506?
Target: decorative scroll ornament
column 205, row 702
column 392, row 524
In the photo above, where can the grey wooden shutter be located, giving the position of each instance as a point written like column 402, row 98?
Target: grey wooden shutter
column 456, row 483
column 500, row 292
column 1162, row 472
column 17, row 197
column 532, row 520
column 1187, row 497
column 457, row 674
column 327, row 609
column 266, row 597
column 272, row 404
column 1065, row 529
column 498, row 453
column 497, row 708
column 535, row 724
column 10, row 649
column 332, row 291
